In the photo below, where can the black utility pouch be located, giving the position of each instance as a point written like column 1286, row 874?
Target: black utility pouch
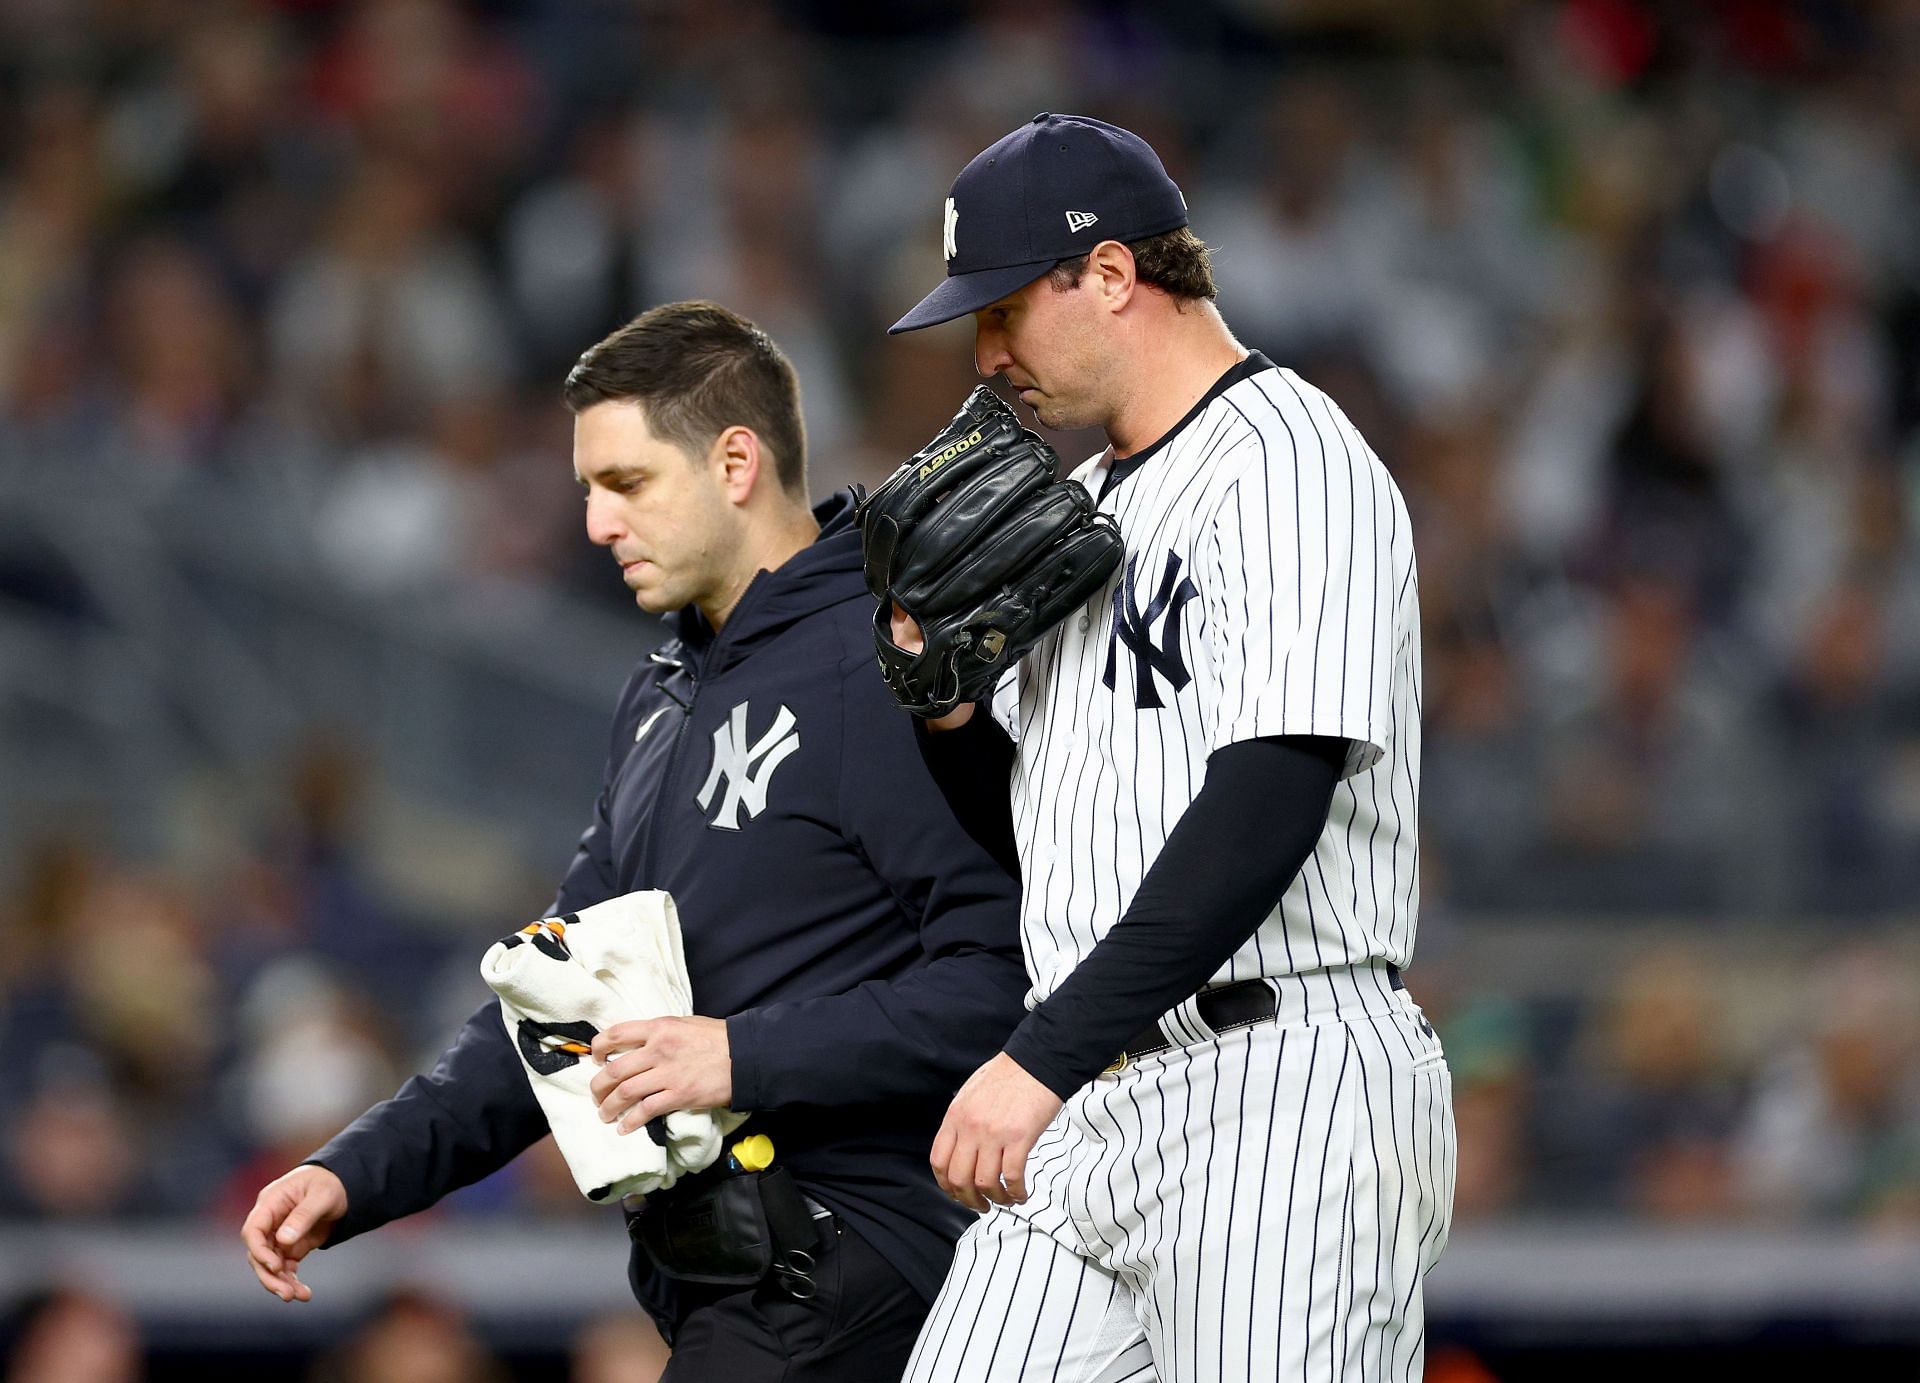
column 724, row 1234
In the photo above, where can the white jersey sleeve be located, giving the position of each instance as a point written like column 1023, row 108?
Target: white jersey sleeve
column 1296, row 563
column 1004, row 704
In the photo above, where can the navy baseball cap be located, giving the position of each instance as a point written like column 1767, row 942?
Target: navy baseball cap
column 1051, row 190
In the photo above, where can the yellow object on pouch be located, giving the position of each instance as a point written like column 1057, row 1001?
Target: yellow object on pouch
column 753, row 1153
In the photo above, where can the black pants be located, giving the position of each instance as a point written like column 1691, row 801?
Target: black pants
column 858, row 1327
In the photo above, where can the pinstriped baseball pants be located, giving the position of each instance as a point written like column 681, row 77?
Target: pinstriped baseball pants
column 1262, row 1205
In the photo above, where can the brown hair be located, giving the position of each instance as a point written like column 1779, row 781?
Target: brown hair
column 1176, row 262
column 699, row 369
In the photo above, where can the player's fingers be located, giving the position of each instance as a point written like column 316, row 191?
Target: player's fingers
column 941, row 1155
column 1013, row 1174
column 990, row 1176
column 960, row 1172
column 906, row 630
column 988, row 1184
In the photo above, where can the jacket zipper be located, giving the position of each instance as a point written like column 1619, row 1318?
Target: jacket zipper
column 660, row 803
column 693, row 671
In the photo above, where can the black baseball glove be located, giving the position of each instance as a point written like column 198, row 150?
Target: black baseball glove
column 975, row 539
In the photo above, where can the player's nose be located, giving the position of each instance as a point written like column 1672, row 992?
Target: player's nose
column 990, row 355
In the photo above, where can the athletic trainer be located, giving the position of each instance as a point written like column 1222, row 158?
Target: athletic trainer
column 856, row 951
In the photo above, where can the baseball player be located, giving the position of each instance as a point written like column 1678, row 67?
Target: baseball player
column 1220, row 1146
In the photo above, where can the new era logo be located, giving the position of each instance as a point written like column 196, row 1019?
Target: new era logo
column 1080, row 220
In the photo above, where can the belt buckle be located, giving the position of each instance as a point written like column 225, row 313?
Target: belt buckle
column 1117, row 1065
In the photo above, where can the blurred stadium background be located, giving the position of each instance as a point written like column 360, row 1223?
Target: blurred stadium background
column 305, row 664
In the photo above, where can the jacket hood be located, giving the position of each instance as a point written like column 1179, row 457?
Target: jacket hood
column 826, row 572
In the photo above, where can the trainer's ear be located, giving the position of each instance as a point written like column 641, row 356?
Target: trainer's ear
column 741, row 462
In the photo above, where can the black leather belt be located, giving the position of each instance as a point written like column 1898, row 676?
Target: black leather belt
column 1230, row 1006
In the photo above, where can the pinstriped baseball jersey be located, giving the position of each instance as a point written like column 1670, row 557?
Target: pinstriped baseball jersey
column 1268, row 589
column 1261, row 1202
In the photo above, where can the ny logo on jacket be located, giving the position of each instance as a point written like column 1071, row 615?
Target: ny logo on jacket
column 734, row 760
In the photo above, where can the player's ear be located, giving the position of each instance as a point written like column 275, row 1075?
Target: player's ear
column 738, row 459
column 1110, row 273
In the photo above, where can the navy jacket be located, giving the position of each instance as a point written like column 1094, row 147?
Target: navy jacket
column 862, row 947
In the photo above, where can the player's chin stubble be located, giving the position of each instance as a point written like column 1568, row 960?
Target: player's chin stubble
column 1062, row 419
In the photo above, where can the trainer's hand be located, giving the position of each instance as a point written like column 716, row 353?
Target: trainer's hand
column 906, row 633
column 292, row 1217
column 980, row 1153
column 654, row 1066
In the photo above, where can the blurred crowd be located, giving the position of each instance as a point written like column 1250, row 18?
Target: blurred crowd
column 72, row 1335
column 1625, row 294
column 174, row 1045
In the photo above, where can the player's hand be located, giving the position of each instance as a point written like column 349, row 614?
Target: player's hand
column 292, row 1217
column 906, row 633
column 906, row 630
column 980, row 1153
column 654, row 1066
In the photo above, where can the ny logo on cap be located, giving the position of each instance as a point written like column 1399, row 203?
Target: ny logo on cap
column 1080, row 220
column 946, row 237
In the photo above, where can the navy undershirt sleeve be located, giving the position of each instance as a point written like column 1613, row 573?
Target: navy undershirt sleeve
column 972, row 766
column 1230, row 857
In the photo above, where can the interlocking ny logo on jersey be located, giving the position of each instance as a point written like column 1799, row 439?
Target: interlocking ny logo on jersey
column 1134, row 627
column 734, row 760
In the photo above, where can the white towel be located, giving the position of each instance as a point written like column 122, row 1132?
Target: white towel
column 561, row 980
